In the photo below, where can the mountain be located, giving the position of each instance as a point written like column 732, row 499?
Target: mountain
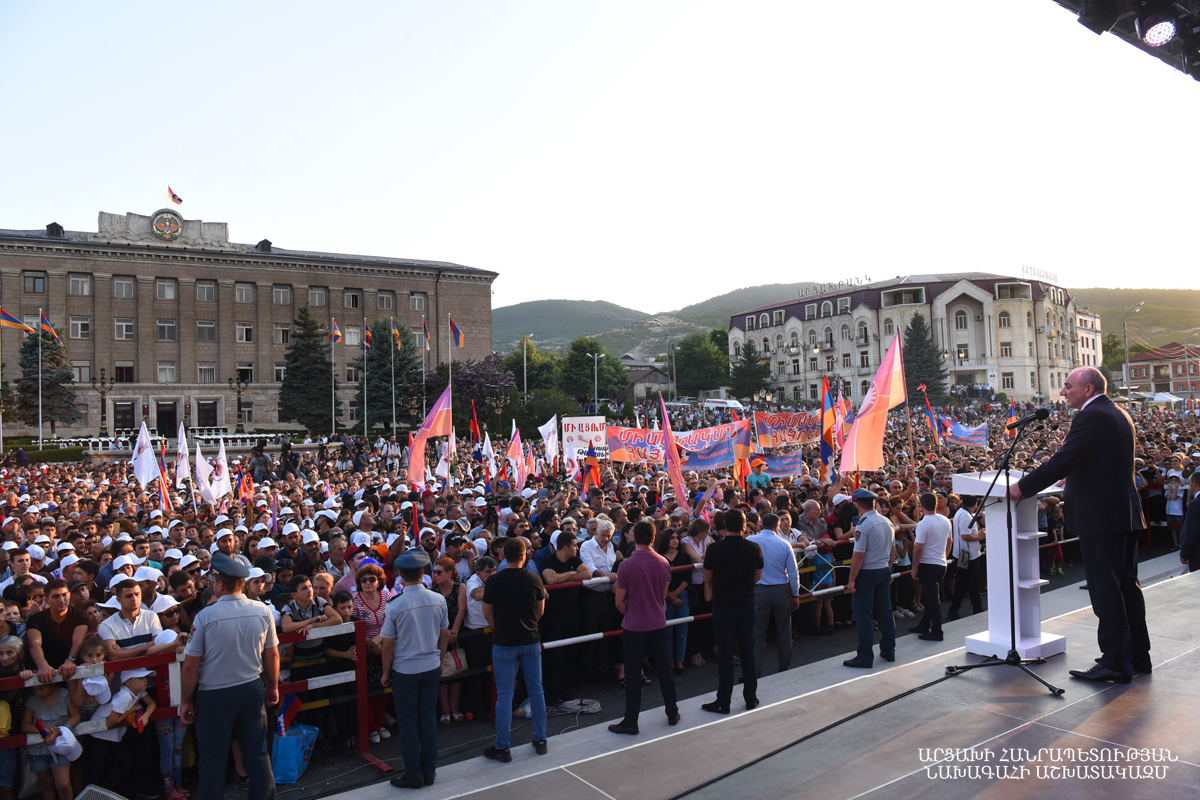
column 1169, row 315
column 554, row 323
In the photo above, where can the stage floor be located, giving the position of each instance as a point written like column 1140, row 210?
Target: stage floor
column 995, row 719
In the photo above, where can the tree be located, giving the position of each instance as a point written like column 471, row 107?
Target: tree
column 305, row 394
column 390, row 369
column 699, row 365
column 923, row 362
column 479, row 381
column 1108, row 376
column 8, row 397
column 539, row 367
column 751, row 374
column 57, row 396
column 543, row 404
column 720, row 339
column 577, row 371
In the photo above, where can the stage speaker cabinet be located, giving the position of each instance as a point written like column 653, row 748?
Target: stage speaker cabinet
column 1025, row 556
column 91, row 792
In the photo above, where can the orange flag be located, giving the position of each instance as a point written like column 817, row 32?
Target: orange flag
column 864, row 446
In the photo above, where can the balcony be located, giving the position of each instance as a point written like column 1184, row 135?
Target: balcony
column 827, row 345
column 860, row 341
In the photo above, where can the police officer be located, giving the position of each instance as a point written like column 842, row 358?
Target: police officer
column 871, row 581
column 415, row 634
column 233, row 652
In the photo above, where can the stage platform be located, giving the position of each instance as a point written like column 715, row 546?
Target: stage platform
column 995, row 719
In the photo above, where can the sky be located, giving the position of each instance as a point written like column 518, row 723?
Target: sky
column 651, row 154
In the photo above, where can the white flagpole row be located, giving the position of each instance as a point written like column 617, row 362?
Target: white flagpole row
column 39, row 324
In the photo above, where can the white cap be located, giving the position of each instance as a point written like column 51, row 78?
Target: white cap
column 173, row 553
column 222, row 533
column 140, row 672
column 127, row 560
column 118, row 578
column 111, row 602
column 146, row 574
column 255, row 572
column 97, row 686
column 358, row 516
column 166, row 637
column 221, row 520
column 260, row 526
column 10, row 546
column 124, row 537
column 838, row 499
column 163, row 603
column 43, row 539
column 286, row 510
column 155, row 513
column 527, row 493
column 332, row 501
column 360, row 538
column 35, row 552
column 310, row 537
column 266, row 541
column 187, row 561
column 291, row 527
column 68, row 560
column 330, row 515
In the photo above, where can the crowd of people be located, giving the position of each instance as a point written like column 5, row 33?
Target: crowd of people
column 94, row 568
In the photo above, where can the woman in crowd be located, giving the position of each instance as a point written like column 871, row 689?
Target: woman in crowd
column 667, row 544
column 446, row 581
column 369, row 602
column 699, row 635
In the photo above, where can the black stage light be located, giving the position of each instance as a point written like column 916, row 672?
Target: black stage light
column 1099, row 16
column 1156, row 26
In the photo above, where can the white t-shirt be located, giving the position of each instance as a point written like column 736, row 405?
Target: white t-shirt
column 475, row 618
column 961, row 526
column 122, row 703
column 932, row 531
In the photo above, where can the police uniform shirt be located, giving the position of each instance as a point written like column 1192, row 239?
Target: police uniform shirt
column 414, row 622
column 129, row 634
column 876, row 538
column 230, row 636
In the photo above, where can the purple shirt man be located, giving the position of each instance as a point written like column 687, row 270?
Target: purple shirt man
column 644, row 577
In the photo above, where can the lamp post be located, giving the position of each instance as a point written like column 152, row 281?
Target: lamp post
column 1125, row 334
column 495, row 400
column 238, row 387
column 596, row 381
column 525, row 368
column 103, row 388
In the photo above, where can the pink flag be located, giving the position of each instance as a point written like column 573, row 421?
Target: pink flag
column 437, row 423
column 513, row 454
column 863, row 449
column 674, row 466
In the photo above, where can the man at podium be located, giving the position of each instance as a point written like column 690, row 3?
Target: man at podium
column 1103, row 510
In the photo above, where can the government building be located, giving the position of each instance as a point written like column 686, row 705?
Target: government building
column 1019, row 336
column 170, row 310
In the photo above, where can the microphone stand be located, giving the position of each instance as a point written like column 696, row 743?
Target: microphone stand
column 1014, row 657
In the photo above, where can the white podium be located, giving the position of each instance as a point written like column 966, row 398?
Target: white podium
column 1027, row 585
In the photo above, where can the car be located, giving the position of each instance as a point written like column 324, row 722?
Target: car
column 722, row 405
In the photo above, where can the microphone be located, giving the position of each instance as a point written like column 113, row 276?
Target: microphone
column 1040, row 414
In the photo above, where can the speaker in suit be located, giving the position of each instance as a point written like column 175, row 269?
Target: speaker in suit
column 1189, row 541
column 1104, row 511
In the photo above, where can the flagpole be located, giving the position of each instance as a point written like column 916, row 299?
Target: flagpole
column 449, row 354
column 1, row 407
column 364, row 357
column 332, row 384
column 424, row 350
column 39, row 379
column 908, row 419
column 397, row 342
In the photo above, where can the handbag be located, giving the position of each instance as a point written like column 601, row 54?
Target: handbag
column 964, row 556
column 291, row 751
column 454, row 662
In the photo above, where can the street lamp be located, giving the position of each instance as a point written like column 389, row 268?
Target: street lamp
column 1125, row 334
column 103, row 388
column 239, row 386
column 525, row 367
column 596, row 382
column 495, row 400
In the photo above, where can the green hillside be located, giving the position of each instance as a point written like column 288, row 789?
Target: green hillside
column 1169, row 314
column 554, row 323
column 715, row 312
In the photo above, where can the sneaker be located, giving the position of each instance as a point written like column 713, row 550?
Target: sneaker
column 898, row 614
column 384, row 733
column 908, row 613
column 373, row 738
column 539, row 746
column 496, row 754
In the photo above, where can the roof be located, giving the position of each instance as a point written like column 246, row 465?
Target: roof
column 1168, row 352
column 639, row 375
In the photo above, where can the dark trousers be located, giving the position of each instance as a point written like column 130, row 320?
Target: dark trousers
column 966, row 582
column 222, row 714
column 106, row 762
column 597, row 611
column 639, row 645
column 773, row 604
column 415, row 695
column 931, row 576
column 1110, row 568
column 734, row 628
column 873, row 602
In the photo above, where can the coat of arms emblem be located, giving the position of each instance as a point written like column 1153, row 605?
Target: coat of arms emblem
column 167, row 226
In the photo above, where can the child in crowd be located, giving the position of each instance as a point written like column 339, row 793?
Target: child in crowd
column 50, row 705
column 823, row 579
column 129, row 705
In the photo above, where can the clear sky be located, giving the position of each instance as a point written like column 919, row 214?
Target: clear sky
column 652, row 154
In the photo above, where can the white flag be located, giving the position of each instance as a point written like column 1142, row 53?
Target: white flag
column 183, row 464
column 221, row 482
column 489, row 455
column 203, row 471
column 549, row 433
column 145, row 465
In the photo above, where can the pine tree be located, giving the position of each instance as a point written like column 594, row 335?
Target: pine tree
column 751, row 374
column 305, row 394
column 923, row 363
column 379, row 383
column 58, row 398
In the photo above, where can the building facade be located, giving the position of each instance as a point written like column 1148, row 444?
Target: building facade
column 1018, row 336
column 1173, row 368
column 170, row 309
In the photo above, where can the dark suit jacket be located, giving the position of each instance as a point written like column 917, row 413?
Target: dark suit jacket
column 1189, row 543
column 1097, row 461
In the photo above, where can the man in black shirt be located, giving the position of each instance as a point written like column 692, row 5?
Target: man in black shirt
column 732, row 566
column 513, row 602
column 561, row 620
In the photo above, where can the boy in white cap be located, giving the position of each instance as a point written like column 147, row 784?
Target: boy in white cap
column 129, row 706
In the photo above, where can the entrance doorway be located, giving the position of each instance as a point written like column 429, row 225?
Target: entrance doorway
column 168, row 420
column 123, row 416
column 206, row 414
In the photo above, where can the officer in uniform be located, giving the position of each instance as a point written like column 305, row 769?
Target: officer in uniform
column 233, row 656
column 415, row 634
column 871, row 581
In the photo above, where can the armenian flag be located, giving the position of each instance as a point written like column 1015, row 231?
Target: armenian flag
column 395, row 334
column 1012, row 417
column 425, row 324
column 456, row 335
column 164, row 497
column 48, row 328
column 176, row 199
column 336, row 333
column 475, row 434
column 7, row 320
column 366, row 339
column 929, row 416
column 591, row 471
column 828, row 416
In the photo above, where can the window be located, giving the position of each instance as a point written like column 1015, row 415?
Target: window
column 1032, row 380
column 862, row 332
column 316, row 295
column 749, row 323
column 779, row 341
column 889, row 327
column 123, row 371
column 1006, row 349
column 35, row 282
column 812, row 364
column 763, row 320
column 1031, row 349
column 81, row 371
column 796, row 393
column 960, row 320
column 795, row 366
column 81, row 327
column 283, row 334
column 81, row 285
column 737, row 349
column 843, row 305
column 352, row 298
column 32, row 321
column 166, row 330
column 1006, row 380
column 166, row 372
column 781, row 367
column 778, row 318
column 794, row 339
column 864, row 387
column 280, row 369
column 245, row 374
column 812, row 336
column 812, row 391
column 385, row 301
column 845, row 359
column 206, row 372
column 829, row 337
column 830, row 363
column 122, row 287
column 206, row 291
column 827, row 309
column 83, row 421
column 353, row 375
column 124, row 328
column 245, row 332
column 281, row 295
column 810, row 311
column 864, row 358
column 416, row 302
column 1004, row 320
column 964, row 352
column 247, row 412
column 206, row 330
column 845, row 333
column 166, row 289
column 904, row 297
column 1056, row 349
column 766, row 345
column 353, row 334
column 243, row 292
column 1028, row 319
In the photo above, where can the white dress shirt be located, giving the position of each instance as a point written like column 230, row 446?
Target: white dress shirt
column 599, row 561
column 779, row 562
